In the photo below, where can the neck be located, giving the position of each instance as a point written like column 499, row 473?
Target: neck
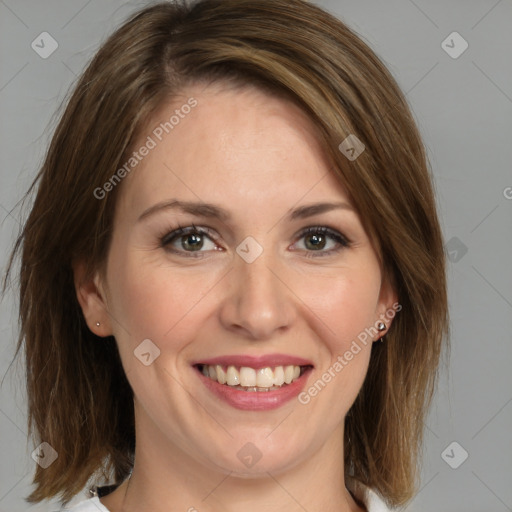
column 165, row 476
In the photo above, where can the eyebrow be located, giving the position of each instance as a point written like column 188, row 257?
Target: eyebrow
column 209, row 210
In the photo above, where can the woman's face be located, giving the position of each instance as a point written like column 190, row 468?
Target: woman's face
column 271, row 276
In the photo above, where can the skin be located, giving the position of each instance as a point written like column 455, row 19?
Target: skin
column 257, row 157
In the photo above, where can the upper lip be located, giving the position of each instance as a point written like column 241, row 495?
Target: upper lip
column 269, row 360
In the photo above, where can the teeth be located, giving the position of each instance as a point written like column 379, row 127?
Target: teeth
column 232, row 377
column 221, row 375
column 247, row 377
column 288, row 374
column 279, row 376
column 251, row 379
column 265, row 377
column 253, row 389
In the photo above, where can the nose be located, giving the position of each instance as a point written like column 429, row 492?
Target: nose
column 258, row 303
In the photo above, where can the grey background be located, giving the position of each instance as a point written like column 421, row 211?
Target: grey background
column 464, row 109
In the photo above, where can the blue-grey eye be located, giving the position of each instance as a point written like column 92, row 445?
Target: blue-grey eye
column 188, row 239
column 321, row 239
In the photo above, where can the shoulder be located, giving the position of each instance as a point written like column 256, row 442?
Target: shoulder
column 369, row 498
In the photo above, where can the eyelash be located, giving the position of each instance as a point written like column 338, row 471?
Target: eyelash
column 167, row 239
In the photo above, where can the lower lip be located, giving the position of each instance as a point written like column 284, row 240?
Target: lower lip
column 255, row 400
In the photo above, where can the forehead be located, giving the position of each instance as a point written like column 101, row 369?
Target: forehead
column 211, row 143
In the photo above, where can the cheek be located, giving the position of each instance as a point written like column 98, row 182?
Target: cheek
column 155, row 303
column 155, row 300
column 344, row 303
column 344, row 307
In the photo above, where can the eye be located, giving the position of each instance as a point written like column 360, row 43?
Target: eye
column 321, row 240
column 190, row 239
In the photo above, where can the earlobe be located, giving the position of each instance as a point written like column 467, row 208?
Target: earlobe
column 92, row 300
column 387, row 309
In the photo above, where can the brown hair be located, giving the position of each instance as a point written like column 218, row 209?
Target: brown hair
column 79, row 399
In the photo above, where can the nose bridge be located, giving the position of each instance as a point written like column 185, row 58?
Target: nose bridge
column 257, row 301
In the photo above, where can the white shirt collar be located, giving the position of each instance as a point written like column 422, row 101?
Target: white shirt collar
column 369, row 498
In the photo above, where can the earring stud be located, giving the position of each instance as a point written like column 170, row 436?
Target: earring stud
column 381, row 326
column 97, row 324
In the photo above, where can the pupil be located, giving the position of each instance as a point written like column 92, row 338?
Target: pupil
column 193, row 242
column 316, row 241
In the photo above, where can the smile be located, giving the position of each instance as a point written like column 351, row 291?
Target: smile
column 246, row 378
column 254, row 383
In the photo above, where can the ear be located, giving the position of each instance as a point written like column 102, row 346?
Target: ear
column 91, row 297
column 387, row 306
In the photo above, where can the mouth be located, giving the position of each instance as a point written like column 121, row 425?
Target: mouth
column 254, row 383
column 248, row 379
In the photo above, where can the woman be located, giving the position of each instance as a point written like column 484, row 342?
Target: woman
column 232, row 277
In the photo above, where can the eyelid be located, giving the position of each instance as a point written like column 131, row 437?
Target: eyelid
column 176, row 233
column 342, row 241
column 180, row 231
column 339, row 238
column 325, row 230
